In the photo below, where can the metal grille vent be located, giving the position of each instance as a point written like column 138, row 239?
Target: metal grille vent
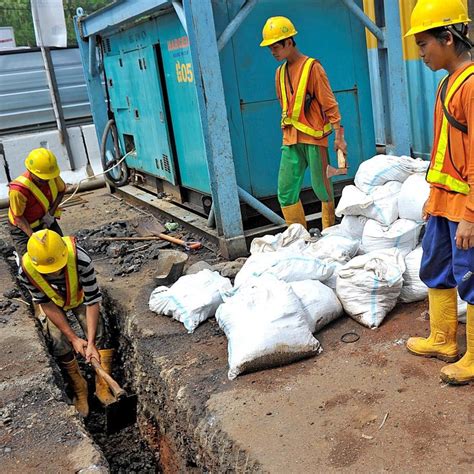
column 166, row 163
column 107, row 45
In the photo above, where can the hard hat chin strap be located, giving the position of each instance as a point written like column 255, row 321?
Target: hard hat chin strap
column 461, row 35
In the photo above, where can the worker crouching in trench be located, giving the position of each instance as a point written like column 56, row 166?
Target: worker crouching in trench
column 61, row 279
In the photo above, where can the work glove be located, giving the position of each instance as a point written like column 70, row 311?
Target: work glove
column 47, row 219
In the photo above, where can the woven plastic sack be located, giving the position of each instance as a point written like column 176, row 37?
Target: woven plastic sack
column 320, row 303
column 383, row 168
column 265, row 325
column 192, row 299
column 369, row 285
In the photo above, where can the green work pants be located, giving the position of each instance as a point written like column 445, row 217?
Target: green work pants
column 294, row 161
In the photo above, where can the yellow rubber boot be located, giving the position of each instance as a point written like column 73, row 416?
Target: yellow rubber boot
column 102, row 391
column 328, row 217
column 79, row 386
column 443, row 327
column 462, row 372
column 294, row 214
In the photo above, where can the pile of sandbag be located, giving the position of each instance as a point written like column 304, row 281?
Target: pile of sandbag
column 383, row 211
column 278, row 300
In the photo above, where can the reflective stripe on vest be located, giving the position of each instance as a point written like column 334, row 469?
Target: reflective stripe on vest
column 27, row 183
column 436, row 175
column 74, row 294
column 298, row 105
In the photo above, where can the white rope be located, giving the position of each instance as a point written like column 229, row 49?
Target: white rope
column 96, row 176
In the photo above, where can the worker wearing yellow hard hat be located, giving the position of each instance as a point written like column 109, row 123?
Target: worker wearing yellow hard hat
column 34, row 197
column 309, row 114
column 61, row 279
column 447, row 267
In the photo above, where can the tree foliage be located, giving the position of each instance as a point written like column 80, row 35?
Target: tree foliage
column 17, row 13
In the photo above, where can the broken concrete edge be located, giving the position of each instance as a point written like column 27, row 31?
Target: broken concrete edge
column 32, row 389
column 173, row 423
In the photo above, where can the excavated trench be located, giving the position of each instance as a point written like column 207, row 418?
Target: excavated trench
column 164, row 367
column 140, row 447
column 126, row 450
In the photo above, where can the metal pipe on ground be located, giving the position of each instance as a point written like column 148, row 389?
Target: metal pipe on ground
column 211, row 219
column 253, row 203
column 259, row 207
column 89, row 185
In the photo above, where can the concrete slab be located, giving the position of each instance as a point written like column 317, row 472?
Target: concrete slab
column 39, row 432
column 17, row 147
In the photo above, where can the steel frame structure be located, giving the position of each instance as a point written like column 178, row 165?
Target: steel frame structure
column 197, row 19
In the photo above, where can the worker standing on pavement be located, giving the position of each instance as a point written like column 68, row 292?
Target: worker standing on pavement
column 60, row 277
column 440, row 28
column 309, row 114
column 34, row 198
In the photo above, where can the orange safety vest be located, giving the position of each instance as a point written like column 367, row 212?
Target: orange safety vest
column 38, row 203
column 442, row 173
column 74, row 292
column 293, row 109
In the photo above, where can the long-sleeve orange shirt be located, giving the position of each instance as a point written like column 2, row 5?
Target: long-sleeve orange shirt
column 324, row 103
column 456, row 206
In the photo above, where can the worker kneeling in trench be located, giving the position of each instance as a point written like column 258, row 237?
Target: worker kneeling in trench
column 60, row 277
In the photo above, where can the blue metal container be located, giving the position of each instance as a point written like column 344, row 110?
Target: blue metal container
column 153, row 95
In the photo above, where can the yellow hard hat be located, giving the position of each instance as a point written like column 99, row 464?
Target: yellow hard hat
column 277, row 28
column 42, row 163
column 47, row 251
column 429, row 14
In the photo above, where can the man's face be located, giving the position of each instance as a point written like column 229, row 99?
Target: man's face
column 38, row 180
column 280, row 52
column 432, row 51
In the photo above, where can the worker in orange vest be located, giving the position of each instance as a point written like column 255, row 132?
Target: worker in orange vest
column 61, row 279
column 440, row 28
column 34, row 198
column 309, row 114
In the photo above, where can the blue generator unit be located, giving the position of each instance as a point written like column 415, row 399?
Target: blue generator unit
column 192, row 96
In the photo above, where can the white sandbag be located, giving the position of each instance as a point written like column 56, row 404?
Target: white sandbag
column 295, row 236
column 332, row 280
column 333, row 247
column 350, row 226
column 462, row 310
column 381, row 204
column 353, row 202
column 413, row 288
column 320, row 303
column 403, row 235
column 383, row 168
column 265, row 325
column 286, row 264
column 369, row 285
column 192, row 299
column 413, row 195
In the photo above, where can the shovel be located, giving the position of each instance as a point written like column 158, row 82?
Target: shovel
column 153, row 228
column 341, row 166
column 123, row 411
